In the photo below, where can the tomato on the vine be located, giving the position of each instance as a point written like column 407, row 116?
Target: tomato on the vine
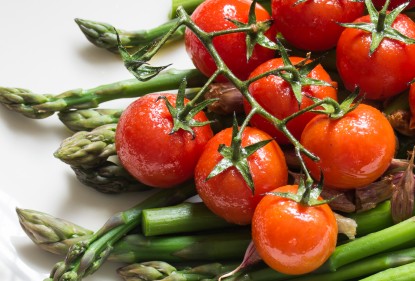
column 385, row 72
column 313, row 25
column 147, row 148
column 354, row 150
column 215, row 15
column 227, row 194
column 276, row 96
column 290, row 237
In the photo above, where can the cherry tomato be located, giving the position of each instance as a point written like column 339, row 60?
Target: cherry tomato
column 227, row 194
column 149, row 152
column 393, row 4
column 354, row 150
column 387, row 71
column 313, row 24
column 292, row 238
column 276, row 96
column 213, row 15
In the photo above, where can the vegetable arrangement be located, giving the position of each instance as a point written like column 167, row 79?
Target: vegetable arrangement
column 298, row 141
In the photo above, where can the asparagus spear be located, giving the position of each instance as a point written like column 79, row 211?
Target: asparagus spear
column 404, row 272
column 108, row 177
column 88, row 149
column 88, row 255
column 157, row 270
column 185, row 217
column 39, row 106
column 362, row 268
column 104, row 35
column 50, row 233
column 57, row 236
column 89, row 119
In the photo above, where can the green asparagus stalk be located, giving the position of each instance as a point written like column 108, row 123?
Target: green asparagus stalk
column 404, row 272
column 368, row 266
column 108, row 177
column 157, row 270
column 104, row 35
column 88, row 149
column 57, row 236
column 88, row 255
column 185, row 217
column 89, row 119
column 373, row 243
column 39, row 106
column 52, row 234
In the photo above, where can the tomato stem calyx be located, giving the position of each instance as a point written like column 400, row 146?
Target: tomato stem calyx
column 236, row 156
column 307, row 194
column 296, row 75
column 183, row 114
column 255, row 35
column 380, row 26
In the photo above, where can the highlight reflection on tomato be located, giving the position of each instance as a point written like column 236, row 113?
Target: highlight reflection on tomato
column 213, row 15
column 147, row 149
column 354, row 150
column 276, row 96
column 292, row 238
column 227, row 194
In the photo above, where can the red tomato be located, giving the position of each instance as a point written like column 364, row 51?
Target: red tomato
column 393, row 4
column 227, row 194
column 149, row 152
column 212, row 15
column 354, row 150
column 313, row 24
column 387, row 71
column 292, row 238
column 275, row 95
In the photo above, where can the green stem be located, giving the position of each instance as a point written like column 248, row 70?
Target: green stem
column 185, row 217
column 365, row 267
column 373, row 243
column 373, row 220
column 215, row 247
column 86, row 257
column 41, row 106
column 104, row 35
column 404, row 272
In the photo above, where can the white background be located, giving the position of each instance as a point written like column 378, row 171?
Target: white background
column 42, row 49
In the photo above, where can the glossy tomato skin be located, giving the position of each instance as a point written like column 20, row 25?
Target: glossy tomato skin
column 292, row 238
column 276, row 96
column 227, row 194
column 313, row 24
column 354, row 150
column 387, row 71
column 149, row 152
column 211, row 16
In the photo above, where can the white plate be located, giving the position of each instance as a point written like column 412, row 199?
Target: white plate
column 42, row 49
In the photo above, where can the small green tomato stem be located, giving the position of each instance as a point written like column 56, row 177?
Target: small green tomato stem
column 380, row 26
column 205, row 87
column 230, row 31
column 163, row 40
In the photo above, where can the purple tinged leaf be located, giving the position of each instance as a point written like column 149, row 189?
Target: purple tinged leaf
column 251, row 257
